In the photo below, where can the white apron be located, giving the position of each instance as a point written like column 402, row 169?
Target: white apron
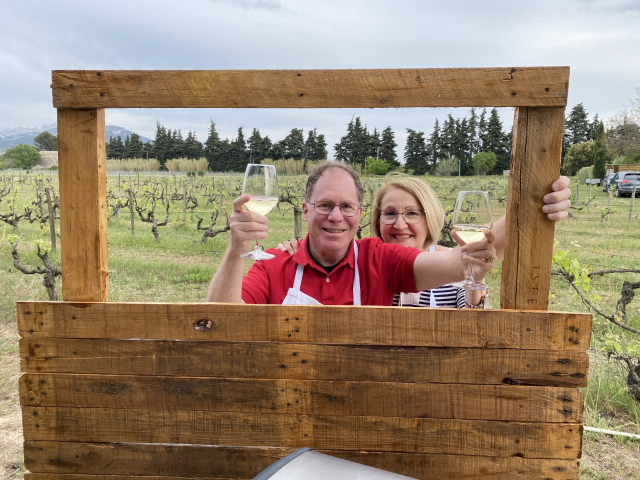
column 296, row 297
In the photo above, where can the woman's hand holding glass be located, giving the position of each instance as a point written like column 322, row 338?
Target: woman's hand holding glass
column 472, row 221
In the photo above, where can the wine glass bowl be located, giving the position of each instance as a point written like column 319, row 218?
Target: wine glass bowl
column 261, row 183
column 471, row 217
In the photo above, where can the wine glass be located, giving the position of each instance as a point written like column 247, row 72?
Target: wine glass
column 471, row 216
column 261, row 183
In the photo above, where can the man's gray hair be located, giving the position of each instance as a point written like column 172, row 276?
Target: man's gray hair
column 323, row 167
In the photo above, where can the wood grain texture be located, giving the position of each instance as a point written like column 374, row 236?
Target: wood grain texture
column 69, row 460
column 535, row 164
column 381, row 88
column 306, row 362
column 328, row 324
column 83, row 205
column 420, row 435
column 382, row 399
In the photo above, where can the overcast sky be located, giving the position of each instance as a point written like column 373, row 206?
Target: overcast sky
column 598, row 39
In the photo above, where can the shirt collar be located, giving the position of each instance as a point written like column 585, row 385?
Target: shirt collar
column 302, row 256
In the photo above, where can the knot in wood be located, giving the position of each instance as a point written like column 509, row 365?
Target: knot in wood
column 202, row 325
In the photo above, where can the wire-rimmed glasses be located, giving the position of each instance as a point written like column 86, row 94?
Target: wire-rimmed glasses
column 326, row 207
column 389, row 217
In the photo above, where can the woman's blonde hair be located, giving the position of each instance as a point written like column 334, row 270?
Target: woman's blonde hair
column 424, row 195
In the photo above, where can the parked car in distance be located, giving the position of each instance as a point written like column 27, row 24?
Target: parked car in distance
column 623, row 182
column 607, row 181
column 592, row 181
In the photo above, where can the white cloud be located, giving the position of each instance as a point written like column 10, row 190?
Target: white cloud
column 598, row 39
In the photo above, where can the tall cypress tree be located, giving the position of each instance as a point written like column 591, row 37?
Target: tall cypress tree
column 212, row 149
column 321, row 148
column 239, row 156
column 294, row 144
column 474, row 140
column 496, row 142
column 599, row 153
column 448, row 137
column 315, row 146
column 482, row 130
column 259, row 147
column 576, row 128
column 388, row 147
column 133, row 146
column 192, row 147
column 415, row 152
column 433, row 147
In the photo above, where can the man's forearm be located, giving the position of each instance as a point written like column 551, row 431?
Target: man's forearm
column 226, row 284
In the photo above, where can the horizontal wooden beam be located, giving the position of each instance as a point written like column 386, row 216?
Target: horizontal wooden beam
column 89, row 461
column 507, row 403
column 380, row 88
column 273, row 360
column 383, row 434
column 515, row 329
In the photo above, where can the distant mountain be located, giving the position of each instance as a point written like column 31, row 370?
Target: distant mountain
column 10, row 137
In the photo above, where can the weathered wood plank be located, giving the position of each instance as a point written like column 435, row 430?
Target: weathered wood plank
column 83, row 205
column 477, row 402
column 535, row 164
column 288, row 323
column 457, row 437
column 69, row 460
column 305, row 361
column 380, row 88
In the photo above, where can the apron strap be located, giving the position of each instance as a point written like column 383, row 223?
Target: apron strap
column 356, row 278
column 298, row 280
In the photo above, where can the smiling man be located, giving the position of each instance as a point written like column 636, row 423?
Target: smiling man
column 330, row 267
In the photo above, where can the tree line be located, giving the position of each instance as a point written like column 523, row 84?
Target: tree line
column 475, row 143
column 588, row 144
column 223, row 155
column 456, row 142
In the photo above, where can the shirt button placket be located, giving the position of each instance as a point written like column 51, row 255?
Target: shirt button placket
column 327, row 291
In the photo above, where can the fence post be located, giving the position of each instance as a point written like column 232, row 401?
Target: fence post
column 577, row 191
column 131, row 210
column 52, row 218
column 633, row 197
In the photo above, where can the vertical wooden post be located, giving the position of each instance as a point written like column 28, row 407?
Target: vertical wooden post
column 83, row 205
column 535, row 163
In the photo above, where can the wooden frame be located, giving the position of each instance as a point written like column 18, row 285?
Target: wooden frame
column 540, row 95
column 212, row 391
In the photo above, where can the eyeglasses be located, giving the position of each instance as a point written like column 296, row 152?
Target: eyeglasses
column 325, row 208
column 389, row 217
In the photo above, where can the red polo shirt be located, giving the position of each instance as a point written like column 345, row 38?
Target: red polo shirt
column 384, row 269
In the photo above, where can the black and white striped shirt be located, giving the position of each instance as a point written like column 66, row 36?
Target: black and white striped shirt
column 447, row 296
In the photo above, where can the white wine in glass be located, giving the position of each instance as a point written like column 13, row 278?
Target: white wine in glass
column 471, row 217
column 261, row 183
